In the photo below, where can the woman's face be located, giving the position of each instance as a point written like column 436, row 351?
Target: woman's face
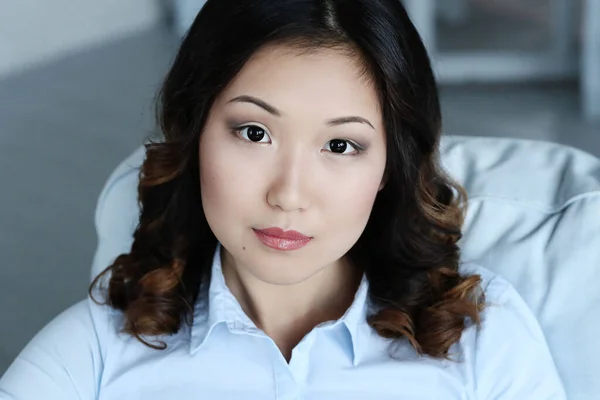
column 295, row 142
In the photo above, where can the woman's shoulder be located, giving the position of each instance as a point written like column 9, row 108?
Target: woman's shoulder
column 83, row 324
column 64, row 358
column 508, row 351
column 503, row 307
column 85, row 320
column 496, row 288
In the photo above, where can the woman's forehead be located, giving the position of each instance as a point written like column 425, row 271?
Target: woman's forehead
column 322, row 79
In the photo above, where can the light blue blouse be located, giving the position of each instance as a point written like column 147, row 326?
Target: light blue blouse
column 82, row 355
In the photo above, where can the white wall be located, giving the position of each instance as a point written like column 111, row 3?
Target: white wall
column 35, row 31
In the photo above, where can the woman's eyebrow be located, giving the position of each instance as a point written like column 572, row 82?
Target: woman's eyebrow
column 349, row 120
column 274, row 111
column 258, row 102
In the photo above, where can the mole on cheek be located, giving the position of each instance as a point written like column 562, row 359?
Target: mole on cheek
column 244, row 248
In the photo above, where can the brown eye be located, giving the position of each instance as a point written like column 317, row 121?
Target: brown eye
column 254, row 134
column 342, row 147
column 338, row 146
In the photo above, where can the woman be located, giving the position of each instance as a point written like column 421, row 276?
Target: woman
column 297, row 237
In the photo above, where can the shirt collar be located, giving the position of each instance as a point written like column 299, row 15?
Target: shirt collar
column 217, row 305
column 356, row 318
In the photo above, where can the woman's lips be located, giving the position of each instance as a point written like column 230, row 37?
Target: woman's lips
column 279, row 239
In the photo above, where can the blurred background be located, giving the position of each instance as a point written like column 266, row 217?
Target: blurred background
column 78, row 80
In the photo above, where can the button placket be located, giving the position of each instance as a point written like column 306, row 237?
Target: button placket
column 300, row 362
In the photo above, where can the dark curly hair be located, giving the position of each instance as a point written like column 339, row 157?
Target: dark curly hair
column 408, row 249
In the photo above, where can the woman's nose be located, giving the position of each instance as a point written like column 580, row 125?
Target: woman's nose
column 288, row 190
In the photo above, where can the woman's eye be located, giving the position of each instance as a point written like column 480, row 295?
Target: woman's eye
column 342, row 147
column 253, row 133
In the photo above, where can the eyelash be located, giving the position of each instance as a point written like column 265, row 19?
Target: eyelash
column 236, row 130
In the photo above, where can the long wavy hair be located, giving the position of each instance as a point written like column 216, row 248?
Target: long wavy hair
column 408, row 249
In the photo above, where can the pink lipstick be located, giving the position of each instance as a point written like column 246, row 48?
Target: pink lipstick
column 279, row 239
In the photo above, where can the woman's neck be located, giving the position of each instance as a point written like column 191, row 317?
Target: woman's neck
column 286, row 313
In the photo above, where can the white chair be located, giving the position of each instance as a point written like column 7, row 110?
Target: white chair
column 534, row 218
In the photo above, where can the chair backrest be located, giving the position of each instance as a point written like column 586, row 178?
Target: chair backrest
column 533, row 218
